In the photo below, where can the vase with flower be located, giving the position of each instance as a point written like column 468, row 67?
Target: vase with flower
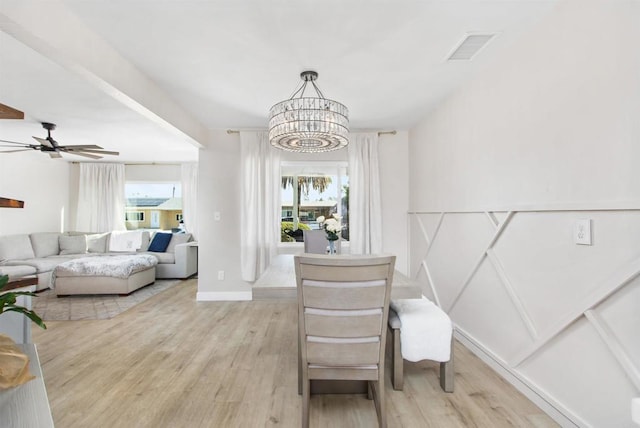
column 332, row 228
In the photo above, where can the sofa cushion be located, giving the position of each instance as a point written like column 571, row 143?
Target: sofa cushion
column 16, row 247
column 46, row 264
column 160, row 242
column 17, row 271
column 45, row 244
column 73, row 244
column 176, row 239
column 165, row 258
column 145, row 239
column 97, row 242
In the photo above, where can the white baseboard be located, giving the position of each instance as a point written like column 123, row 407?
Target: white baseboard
column 550, row 406
column 223, row 296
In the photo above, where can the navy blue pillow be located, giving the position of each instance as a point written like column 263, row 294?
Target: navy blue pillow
column 160, row 242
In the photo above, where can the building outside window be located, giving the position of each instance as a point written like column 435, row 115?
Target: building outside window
column 153, row 205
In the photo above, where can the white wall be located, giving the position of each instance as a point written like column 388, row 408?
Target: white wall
column 153, row 172
column 43, row 184
column 219, row 177
column 219, row 241
column 550, row 132
column 393, row 152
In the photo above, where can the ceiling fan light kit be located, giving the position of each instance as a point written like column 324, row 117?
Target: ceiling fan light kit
column 308, row 124
column 53, row 149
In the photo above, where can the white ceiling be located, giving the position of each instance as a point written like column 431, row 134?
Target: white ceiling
column 150, row 78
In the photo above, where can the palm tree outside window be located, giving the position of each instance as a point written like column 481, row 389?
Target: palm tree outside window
column 311, row 190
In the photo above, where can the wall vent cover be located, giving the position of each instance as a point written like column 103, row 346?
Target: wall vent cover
column 470, row 46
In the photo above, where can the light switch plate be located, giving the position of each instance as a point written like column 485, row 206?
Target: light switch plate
column 582, row 232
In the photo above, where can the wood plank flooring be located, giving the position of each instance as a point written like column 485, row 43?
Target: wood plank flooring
column 175, row 362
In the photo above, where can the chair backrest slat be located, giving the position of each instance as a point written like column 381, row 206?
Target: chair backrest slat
column 343, row 308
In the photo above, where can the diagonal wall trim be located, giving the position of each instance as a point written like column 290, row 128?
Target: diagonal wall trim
column 424, row 232
column 423, row 265
column 517, row 302
column 614, row 346
column 431, row 284
column 618, row 280
column 563, row 313
column 492, row 218
column 426, row 237
column 495, row 237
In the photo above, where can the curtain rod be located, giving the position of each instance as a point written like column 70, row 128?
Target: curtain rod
column 134, row 163
column 393, row 132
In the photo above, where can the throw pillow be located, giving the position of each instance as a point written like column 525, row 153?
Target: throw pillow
column 178, row 238
column 97, row 242
column 45, row 244
column 73, row 244
column 160, row 242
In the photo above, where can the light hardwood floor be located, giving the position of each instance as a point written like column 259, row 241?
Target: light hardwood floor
column 175, row 362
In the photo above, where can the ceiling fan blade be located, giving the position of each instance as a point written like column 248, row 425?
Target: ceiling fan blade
column 14, row 142
column 44, row 142
column 82, row 146
column 14, row 151
column 55, row 155
column 99, row 152
column 86, row 155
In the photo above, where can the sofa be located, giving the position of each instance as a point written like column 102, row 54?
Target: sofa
column 39, row 253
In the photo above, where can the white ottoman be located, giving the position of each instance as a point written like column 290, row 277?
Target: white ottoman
column 104, row 274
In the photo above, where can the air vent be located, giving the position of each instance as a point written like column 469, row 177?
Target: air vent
column 470, row 46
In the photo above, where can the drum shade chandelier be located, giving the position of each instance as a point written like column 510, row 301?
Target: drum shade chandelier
column 308, row 124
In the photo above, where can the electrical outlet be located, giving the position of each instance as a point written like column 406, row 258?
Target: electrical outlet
column 582, row 232
column 220, row 275
column 216, row 216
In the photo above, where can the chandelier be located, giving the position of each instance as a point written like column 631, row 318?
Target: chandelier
column 308, row 124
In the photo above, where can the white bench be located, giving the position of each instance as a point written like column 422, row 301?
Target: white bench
column 397, row 361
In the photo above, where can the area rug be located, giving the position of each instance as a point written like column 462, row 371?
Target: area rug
column 94, row 307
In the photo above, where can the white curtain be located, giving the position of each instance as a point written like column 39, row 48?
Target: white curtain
column 260, row 203
column 190, row 197
column 365, row 218
column 101, row 200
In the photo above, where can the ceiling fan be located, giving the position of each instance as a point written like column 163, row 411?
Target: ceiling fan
column 51, row 146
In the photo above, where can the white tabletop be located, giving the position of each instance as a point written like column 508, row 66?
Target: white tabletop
column 281, row 274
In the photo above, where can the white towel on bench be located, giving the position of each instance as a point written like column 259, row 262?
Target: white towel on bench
column 426, row 330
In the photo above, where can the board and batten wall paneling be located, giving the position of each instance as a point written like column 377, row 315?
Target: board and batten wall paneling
column 545, row 135
column 561, row 319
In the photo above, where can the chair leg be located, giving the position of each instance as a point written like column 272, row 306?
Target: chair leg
column 299, row 366
column 379, row 402
column 306, row 397
column 397, row 375
column 447, row 373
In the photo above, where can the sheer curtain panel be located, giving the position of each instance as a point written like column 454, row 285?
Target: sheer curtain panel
column 101, row 200
column 260, row 203
column 365, row 218
column 190, row 197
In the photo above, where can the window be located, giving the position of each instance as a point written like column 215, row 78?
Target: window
column 134, row 216
column 310, row 190
column 153, row 205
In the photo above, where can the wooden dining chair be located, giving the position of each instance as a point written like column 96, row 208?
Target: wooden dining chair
column 343, row 307
column 315, row 242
